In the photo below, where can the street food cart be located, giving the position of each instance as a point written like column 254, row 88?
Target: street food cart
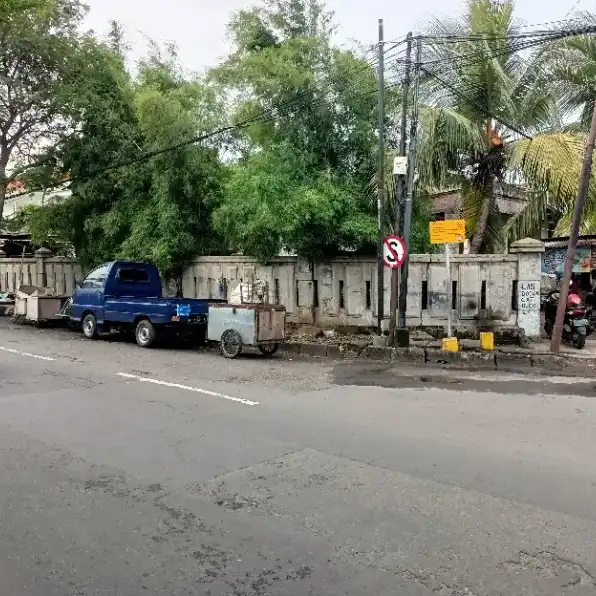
column 234, row 326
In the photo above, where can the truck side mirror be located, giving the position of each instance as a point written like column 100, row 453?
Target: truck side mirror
column 78, row 282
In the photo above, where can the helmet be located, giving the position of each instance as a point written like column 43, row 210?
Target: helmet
column 574, row 300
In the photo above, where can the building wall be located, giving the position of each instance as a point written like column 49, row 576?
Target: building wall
column 343, row 291
column 12, row 205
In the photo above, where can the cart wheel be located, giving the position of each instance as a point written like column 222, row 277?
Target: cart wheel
column 145, row 334
column 89, row 326
column 268, row 349
column 230, row 343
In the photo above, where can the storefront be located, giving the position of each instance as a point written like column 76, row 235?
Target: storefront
column 553, row 260
column 584, row 263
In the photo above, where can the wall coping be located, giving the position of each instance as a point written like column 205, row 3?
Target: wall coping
column 414, row 258
column 9, row 261
column 527, row 245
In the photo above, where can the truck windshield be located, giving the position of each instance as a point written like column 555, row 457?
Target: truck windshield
column 129, row 275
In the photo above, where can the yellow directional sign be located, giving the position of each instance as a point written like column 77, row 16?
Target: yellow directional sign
column 450, row 231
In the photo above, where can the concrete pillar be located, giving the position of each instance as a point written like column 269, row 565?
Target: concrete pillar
column 41, row 254
column 529, row 268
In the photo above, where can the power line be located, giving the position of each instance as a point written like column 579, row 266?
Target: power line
column 483, row 56
column 262, row 118
column 284, row 108
column 578, row 2
column 475, row 104
column 521, row 43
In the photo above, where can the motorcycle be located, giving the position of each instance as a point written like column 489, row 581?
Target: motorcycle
column 575, row 324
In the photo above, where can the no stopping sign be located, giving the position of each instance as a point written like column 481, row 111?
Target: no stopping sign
column 394, row 251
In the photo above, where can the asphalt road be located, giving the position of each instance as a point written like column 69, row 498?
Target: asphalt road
column 128, row 472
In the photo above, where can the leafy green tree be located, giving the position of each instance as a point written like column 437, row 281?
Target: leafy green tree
column 43, row 56
column 284, row 57
column 319, row 134
column 123, row 204
column 488, row 119
column 273, row 204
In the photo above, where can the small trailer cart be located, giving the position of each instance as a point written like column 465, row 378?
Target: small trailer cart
column 236, row 325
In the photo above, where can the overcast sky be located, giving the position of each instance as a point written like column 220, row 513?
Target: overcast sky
column 198, row 27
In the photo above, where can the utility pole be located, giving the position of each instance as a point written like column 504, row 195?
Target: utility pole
column 582, row 195
column 381, row 180
column 403, row 286
column 399, row 184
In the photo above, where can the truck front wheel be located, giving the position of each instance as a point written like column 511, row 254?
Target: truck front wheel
column 145, row 334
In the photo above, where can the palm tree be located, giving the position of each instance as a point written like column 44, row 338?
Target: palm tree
column 572, row 62
column 489, row 117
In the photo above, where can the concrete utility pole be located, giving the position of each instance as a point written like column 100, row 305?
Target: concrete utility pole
column 400, row 184
column 582, row 194
column 403, row 286
column 381, row 181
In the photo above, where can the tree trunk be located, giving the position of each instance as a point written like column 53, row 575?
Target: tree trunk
column 3, row 178
column 482, row 223
column 3, row 186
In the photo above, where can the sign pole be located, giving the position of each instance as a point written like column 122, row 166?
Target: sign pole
column 449, row 285
column 410, row 181
column 448, row 232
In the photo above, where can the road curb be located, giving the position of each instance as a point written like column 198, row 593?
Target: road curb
column 504, row 359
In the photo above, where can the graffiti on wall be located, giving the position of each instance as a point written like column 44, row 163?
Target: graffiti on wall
column 553, row 260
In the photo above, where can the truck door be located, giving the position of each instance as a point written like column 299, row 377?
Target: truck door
column 89, row 296
column 129, row 284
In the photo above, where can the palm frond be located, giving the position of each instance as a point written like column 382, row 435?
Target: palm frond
column 587, row 225
column 550, row 164
column 446, row 138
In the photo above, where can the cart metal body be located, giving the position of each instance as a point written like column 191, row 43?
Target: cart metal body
column 236, row 325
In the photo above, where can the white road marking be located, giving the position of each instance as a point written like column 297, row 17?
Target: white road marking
column 27, row 354
column 239, row 400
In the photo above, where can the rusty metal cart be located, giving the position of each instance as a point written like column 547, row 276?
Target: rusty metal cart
column 234, row 326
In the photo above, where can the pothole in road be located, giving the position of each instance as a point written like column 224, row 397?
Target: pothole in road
column 547, row 564
column 437, row 380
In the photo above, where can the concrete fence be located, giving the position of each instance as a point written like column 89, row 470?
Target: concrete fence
column 498, row 290
column 43, row 270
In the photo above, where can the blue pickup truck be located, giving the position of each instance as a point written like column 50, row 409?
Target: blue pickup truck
column 127, row 296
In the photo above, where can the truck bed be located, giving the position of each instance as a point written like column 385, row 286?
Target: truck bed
column 158, row 310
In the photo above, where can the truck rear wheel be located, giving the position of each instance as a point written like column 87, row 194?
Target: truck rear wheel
column 89, row 326
column 268, row 349
column 145, row 334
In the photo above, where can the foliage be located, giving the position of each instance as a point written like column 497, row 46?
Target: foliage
column 421, row 209
column 572, row 62
column 298, row 173
column 43, row 59
column 475, row 117
column 158, row 209
column 302, row 180
column 273, row 203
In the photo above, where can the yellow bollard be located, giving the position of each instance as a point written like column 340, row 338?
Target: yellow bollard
column 487, row 341
column 450, row 344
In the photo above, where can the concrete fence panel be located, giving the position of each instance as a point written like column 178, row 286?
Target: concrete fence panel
column 17, row 272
